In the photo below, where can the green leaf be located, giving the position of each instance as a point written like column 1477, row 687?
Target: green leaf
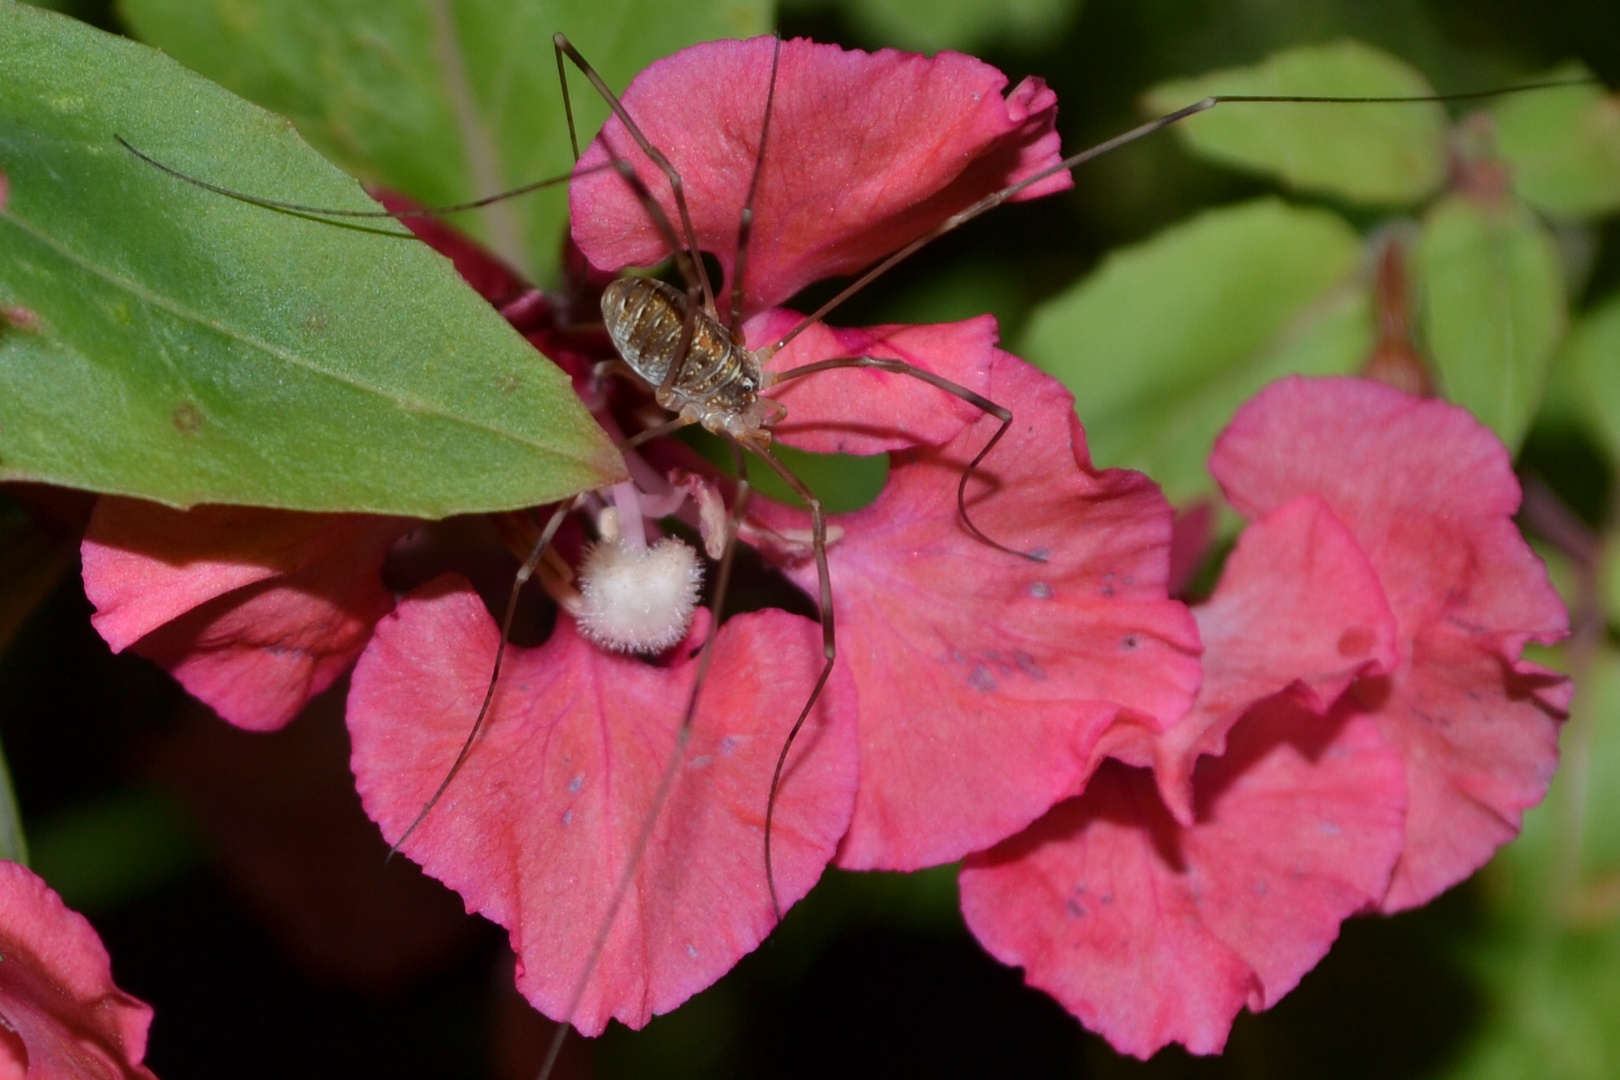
column 1564, row 146
column 1163, row 343
column 965, row 25
column 183, row 347
column 1593, row 351
column 446, row 101
column 1493, row 308
column 13, row 844
column 1364, row 153
column 114, row 849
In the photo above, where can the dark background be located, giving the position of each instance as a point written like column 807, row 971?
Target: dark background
column 241, row 892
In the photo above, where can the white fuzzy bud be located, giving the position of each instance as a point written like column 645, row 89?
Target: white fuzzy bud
column 638, row 599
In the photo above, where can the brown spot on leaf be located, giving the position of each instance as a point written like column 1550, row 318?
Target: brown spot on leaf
column 20, row 318
column 508, row 382
column 186, row 418
column 315, row 322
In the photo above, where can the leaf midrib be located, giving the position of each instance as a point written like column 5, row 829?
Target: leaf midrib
column 276, row 352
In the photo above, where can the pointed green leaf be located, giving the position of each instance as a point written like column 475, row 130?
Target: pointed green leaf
column 1493, row 308
column 1366, row 153
column 1564, row 146
column 183, row 347
column 1163, row 342
column 446, row 101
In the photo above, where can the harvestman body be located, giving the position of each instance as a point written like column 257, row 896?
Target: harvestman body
column 677, row 345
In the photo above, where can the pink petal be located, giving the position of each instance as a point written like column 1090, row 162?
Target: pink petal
column 1299, row 609
column 535, row 830
column 1427, row 490
column 870, row 412
column 985, row 679
column 1480, row 739
column 1152, row 933
column 63, row 1019
column 1428, row 493
column 254, row 611
column 866, row 152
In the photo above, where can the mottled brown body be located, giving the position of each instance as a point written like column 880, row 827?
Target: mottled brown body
column 718, row 382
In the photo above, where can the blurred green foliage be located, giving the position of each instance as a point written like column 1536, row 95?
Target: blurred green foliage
column 1181, row 274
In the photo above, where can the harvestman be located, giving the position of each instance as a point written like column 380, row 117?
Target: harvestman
column 676, row 344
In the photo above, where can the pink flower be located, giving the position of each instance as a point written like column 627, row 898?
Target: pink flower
column 1377, row 735
column 988, row 674
column 63, row 1017
column 973, row 686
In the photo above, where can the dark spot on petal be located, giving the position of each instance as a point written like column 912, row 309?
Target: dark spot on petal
column 728, row 745
column 186, row 418
column 1372, row 693
column 1131, row 642
column 576, row 783
column 568, row 817
column 1026, row 664
column 1040, row 590
column 981, row 679
column 1075, row 909
column 1039, row 554
column 1355, row 642
column 1108, row 590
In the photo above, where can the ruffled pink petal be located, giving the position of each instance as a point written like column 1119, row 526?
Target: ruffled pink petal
column 1298, row 609
column 254, row 611
column 61, row 1017
column 986, row 679
column 536, row 829
column 1152, row 933
column 1480, row 739
column 866, row 152
column 1427, row 491
column 1429, row 494
column 851, row 411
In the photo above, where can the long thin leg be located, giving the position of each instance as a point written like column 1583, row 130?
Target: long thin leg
column 684, row 260
column 324, row 211
column 686, row 257
column 666, row 781
column 677, row 187
column 829, row 650
column 900, row 367
column 524, row 573
column 995, row 199
column 745, row 223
